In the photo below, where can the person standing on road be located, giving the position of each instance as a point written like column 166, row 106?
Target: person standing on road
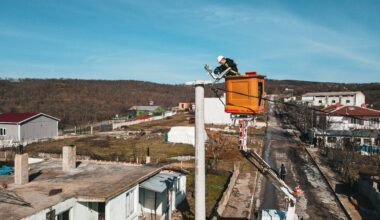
column 282, row 172
column 224, row 64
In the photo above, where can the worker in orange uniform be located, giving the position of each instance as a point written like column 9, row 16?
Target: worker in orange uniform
column 224, row 64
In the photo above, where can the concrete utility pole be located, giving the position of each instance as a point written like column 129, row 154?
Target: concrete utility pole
column 200, row 177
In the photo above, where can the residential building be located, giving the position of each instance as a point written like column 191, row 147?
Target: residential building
column 24, row 128
column 342, row 138
column 349, row 118
column 289, row 99
column 138, row 111
column 92, row 190
column 331, row 98
column 183, row 106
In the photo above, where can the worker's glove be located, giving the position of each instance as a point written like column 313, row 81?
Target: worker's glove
column 217, row 72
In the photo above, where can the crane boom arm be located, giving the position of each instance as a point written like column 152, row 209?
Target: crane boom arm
column 268, row 172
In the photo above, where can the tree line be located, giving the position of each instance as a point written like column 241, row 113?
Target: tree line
column 77, row 102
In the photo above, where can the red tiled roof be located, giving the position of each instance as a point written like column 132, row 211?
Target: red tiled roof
column 15, row 117
column 329, row 108
column 356, row 111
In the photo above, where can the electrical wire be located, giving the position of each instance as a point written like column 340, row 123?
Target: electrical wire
column 215, row 89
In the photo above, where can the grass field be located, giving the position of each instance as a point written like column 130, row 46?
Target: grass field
column 113, row 148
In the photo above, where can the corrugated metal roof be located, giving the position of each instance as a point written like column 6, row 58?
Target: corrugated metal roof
column 159, row 182
column 348, row 133
column 330, row 93
column 18, row 117
column 15, row 117
column 145, row 107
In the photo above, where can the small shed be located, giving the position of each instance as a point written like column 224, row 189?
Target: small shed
column 161, row 194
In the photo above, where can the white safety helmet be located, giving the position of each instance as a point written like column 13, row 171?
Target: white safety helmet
column 220, row 58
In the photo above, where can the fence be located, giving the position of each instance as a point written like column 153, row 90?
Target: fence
column 129, row 123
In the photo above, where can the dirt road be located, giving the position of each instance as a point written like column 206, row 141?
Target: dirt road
column 316, row 200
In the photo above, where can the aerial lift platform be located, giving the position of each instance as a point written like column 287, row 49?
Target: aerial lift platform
column 245, row 99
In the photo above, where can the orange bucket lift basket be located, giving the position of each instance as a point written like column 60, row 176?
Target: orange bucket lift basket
column 251, row 84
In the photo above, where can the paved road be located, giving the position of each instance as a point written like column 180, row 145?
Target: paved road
column 316, row 200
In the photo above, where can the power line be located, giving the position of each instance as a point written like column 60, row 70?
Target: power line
column 215, row 89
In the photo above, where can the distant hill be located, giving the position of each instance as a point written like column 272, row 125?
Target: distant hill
column 81, row 101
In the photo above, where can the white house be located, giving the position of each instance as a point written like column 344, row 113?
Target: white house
column 331, row 98
column 350, row 118
column 342, row 138
column 93, row 190
column 24, row 128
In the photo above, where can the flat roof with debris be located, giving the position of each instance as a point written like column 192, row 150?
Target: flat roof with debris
column 90, row 181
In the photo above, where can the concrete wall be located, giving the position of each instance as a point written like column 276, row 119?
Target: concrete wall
column 85, row 211
column 59, row 208
column 11, row 133
column 41, row 127
column 360, row 99
column 357, row 99
column 226, row 194
column 347, row 100
column 116, row 208
column 128, row 123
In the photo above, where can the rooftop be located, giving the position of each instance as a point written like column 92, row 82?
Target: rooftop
column 159, row 182
column 90, row 181
column 352, row 110
column 18, row 117
column 330, row 93
column 348, row 133
column 145, row 107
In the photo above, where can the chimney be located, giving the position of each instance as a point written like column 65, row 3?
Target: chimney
column 69, row 157
column 147, row 160
column 21, row 169
column 364, row 105
column 338, row 105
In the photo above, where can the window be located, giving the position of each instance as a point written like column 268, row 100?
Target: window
column 367, row 141
column 331, row 139
column 333, row 101
column 3, row 131
column 320, row 101
column 375, row 121
column 130, row 203
column 356, row 121
column 101, row 211
column 347, row 101
column 63, row 216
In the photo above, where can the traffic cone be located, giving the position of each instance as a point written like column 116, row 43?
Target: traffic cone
column 298, row 190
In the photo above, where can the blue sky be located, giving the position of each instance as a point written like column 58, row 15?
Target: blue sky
column 169, row 41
